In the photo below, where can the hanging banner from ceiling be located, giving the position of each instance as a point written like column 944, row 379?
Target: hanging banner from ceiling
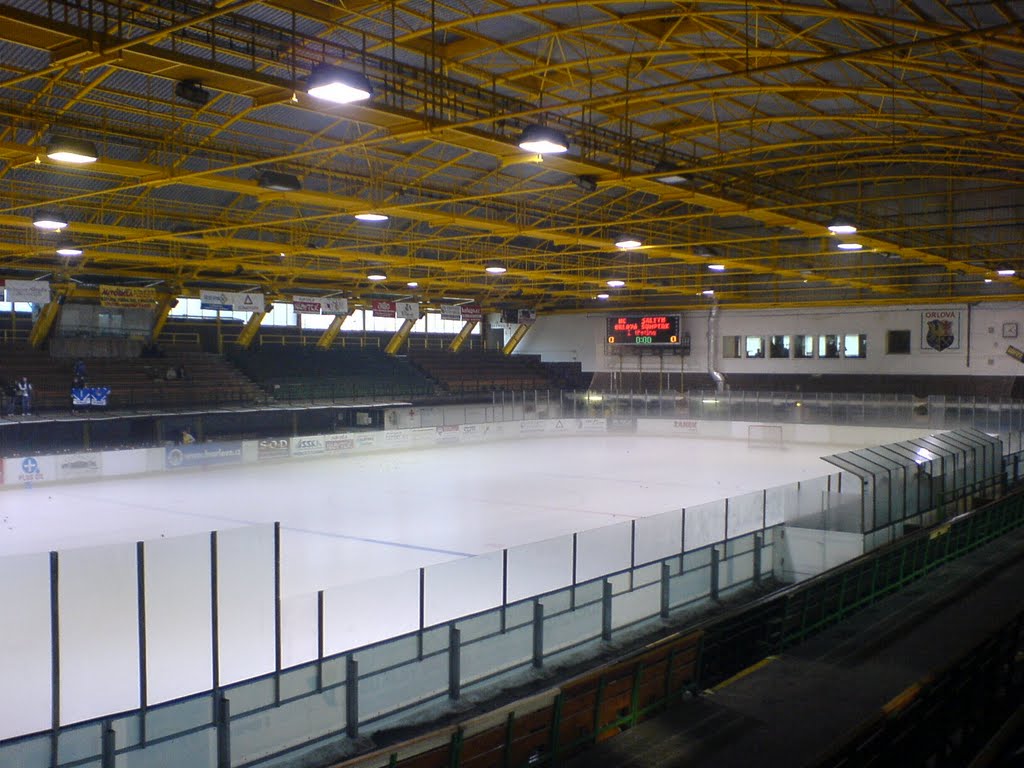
column 30, row 291
column 451, row 312
column 940, row 329
column 228, row 301
column 383, row 308
column 471, row 313
column 409, row 310
column 127, row 296
column 313, row 305
column 527, row 316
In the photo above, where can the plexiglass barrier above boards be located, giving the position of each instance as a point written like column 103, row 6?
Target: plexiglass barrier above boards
column 196, row 635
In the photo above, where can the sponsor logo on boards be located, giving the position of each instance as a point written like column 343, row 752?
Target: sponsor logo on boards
column 273, row 448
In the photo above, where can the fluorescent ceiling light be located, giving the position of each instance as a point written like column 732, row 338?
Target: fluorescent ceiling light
column 495, row 268
column 376, row 277
column 988, row 279
column 627, row 243
column 67, row 150
column 716, row 267
column 339, row 86
column 412, row 284
column 601, row 296
column 69, row 250
column 543, row 140
column 849, row 246
column 674, row 178
column 368, row 216
column 1006, row 272
column 708, row 292
column 50, row 221
column 842, row 227
column 616, row 283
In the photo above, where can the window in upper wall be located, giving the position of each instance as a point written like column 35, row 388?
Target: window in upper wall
column 779, row 346
column 731, row 346
column 855, row 345
column 803, row 347
column 755, row 346
column 897, row 343
column 828, row 345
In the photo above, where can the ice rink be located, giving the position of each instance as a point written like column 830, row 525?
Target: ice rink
column 354, row 518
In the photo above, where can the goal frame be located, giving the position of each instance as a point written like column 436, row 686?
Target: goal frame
column 765, row 436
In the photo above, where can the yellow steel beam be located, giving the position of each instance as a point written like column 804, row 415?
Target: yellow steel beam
column 400, row 337
column 460, row 338
column 330, row 332
column 515, row 338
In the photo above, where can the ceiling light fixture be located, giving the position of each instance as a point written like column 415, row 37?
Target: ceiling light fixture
column 376, row 277
column 64, row 149
column 627, row 243
column 708, row 292
column 50, row 221
column 193, row 91
column 842, row 227
column 370, row 216
column 849, row 246
column 412, row 284
column 670, row 174
column 337, row 85
column 1006, row 272
column 543, row 140
column 586, row 183
column 602, row 296
column 494, row 268
column 988, row 279
column 69, row 249
column 279, row 182
column 616, row 283
column 716, row 267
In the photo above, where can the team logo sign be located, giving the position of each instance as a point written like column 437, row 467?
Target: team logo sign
column 940, row 334
column 940, row 329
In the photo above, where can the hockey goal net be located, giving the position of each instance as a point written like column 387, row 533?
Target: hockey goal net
column 764, row 436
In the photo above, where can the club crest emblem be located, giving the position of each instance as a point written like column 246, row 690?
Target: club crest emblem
column 940, row 334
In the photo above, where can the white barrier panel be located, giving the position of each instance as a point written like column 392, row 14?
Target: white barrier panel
column 179, row 635
column 705, row 524
column 592, row 425
column 25, row 653
column 78, row 466
column 808, row 552
column 539, row 567
column 245, row 602
column 746, row 513
column 99, row 632
column 298, row 629
column 131, row 462
column 659, row 536
column 393, row 601
column 462, row 587
column 603, row 550
column 29, row 469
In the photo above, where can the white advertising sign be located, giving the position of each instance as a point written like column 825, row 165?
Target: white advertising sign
column 408, row 310
column 231, row 301
column 31, row 291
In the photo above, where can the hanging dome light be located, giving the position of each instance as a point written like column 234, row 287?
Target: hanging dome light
column 842, row 227
column 50, row 221
column 337, row 85
column 371, row 216
column 543, row 140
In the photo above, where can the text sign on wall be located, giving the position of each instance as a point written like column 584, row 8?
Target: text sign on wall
column 648, row 330
column 940, row 329
column 28, row 291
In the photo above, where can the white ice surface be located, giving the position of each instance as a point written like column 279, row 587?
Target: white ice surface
column 353, row 518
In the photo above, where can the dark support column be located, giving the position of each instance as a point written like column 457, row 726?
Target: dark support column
column 758, row 543
column 538, row 634
column 140, row 592
column 108, row 744
column 714, row 573
column 664, row 590
column 454, row 666
column 351, row 696
column 223, row 731
column 606, row 610
column 54, row 661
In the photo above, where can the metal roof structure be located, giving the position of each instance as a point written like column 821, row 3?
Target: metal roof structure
column 728, row 132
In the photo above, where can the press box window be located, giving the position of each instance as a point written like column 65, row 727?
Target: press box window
column 897, row 343
column 779, row 346
column 855, row 345
column 731, row 346
column 828, row 345
column 755, row 346
column 804, row 347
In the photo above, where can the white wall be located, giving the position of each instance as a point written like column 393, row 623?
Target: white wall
column 982, row 345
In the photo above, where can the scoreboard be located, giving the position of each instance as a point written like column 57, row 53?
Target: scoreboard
column 644, row 330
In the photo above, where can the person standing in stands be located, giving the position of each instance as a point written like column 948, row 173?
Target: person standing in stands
column 23, row 391
column 78, row 381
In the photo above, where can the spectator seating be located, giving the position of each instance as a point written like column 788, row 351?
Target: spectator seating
column 308, row 373
column 135, row 383
column 482, row 371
